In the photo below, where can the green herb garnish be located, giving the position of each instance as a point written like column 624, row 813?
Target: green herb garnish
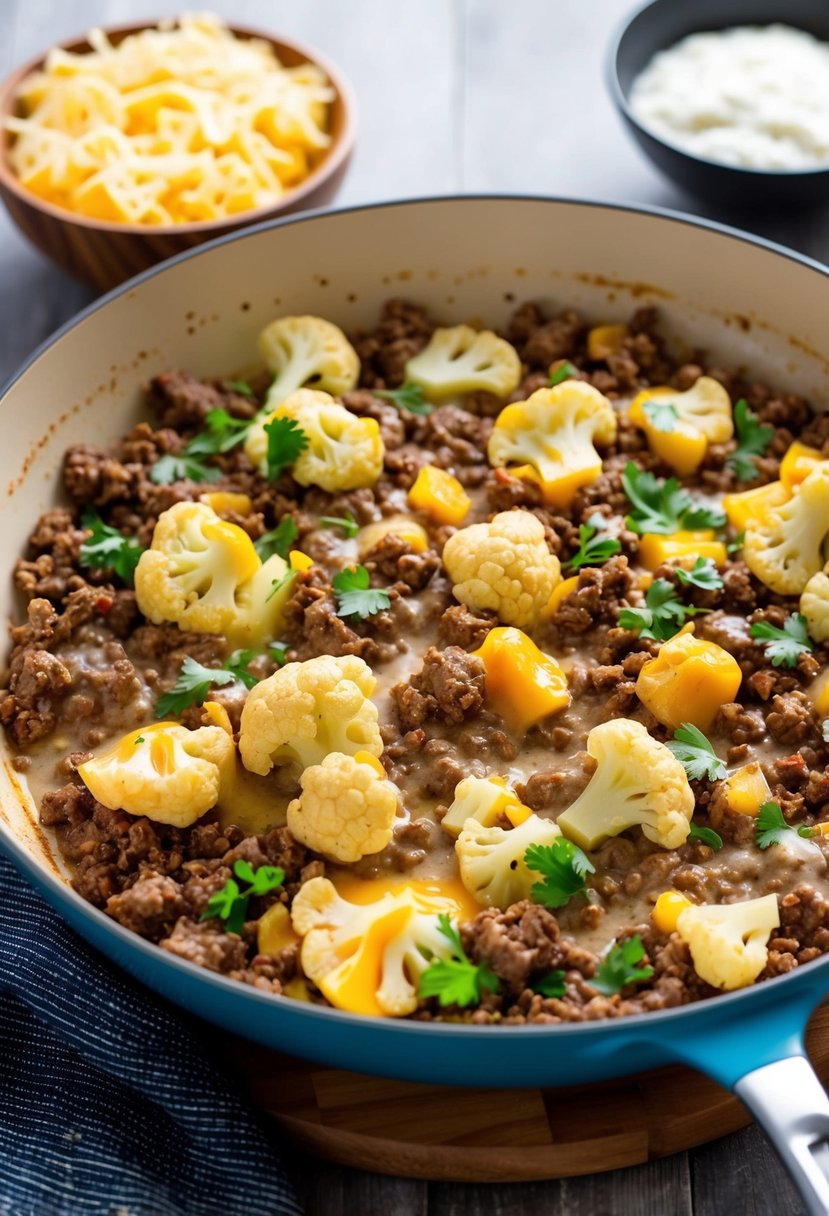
column 347, row 522
column 706, row 836
column 279, row 652
column 231, row 903
column 696, row 755
column 278, row 583
column 565, row 868
column 703, row 574
column 783, row 646
column 771, row 825
column 195, row 681
column 278, row 540
column 355, row 597
column 109, row 549
column 618, row 969
column 564, row 371
column 752, row 440
column 551, row 985
column 593, row 549
column 168, row 469
column 222, row 433
column 735, row 545
column 138, row 739
column 286, row 439
column 663, row 615
column 456, row 980
column 409, row 397
column 663, row 416
column 664, row 506
column 240, row 386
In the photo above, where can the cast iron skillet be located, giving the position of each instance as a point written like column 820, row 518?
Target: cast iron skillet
column 745, row 300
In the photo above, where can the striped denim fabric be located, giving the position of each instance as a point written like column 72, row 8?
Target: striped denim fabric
column 109, row 1105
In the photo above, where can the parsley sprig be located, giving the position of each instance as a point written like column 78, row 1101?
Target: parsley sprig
column 355, row 597
column 231, row 903
column 346, row 522
column 662, row 415
column 565, row 868
column 278, row 540
column 771, row 826
column 783, row 646
column 239, row 386
column 696, row 755
column 408, row 397
column 286, row 439
column 108, row 549
column 705, row 836
column 664, row 613
column 456, row 980
column 593, row 549
column 618, row 968
column 222, row 433
column 195, row 681
column 564, row 371
column 664, row 506
column 551, row 985
column 703, row 574
column 753, row 438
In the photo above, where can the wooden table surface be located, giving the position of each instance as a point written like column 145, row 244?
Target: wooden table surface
column 472, row 96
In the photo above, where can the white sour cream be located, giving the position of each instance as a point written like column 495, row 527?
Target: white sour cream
column 751, row 96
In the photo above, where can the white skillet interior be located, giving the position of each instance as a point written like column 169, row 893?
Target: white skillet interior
column 465, row 259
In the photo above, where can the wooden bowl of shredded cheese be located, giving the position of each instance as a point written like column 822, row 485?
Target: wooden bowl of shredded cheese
column 132, row 144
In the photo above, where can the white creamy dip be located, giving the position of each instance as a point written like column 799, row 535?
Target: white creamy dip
column 751, row 96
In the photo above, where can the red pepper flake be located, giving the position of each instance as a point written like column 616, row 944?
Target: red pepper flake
column 103, row 604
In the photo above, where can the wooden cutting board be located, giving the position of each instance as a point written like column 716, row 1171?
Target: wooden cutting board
column 481, row 1135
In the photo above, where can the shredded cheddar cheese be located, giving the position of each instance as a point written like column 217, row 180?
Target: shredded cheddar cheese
column 178, row 124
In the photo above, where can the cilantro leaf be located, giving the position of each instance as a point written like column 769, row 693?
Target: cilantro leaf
column 195, row 681
column 408, row 397
column 782, row 646
column 278, row 583
column 735, row 545
column 618, row 969
column 278, row 540
column 593, row 550
column 239, row 386
column 286, row 439
column 564, row 867
column 456, row 980
column 664, row 506
column 564, row 371
column 696, row 755
column 551, row 985
column 230, row 904
column 703, row 574
column 347, row 522
column 771, row 825
column 752, row 440
column 663, row 615
column 706, row 836
column 663, row 416
column 354, row 595
column 279, row 652
column 109, row 549
column 222, row 433
column 168, row 469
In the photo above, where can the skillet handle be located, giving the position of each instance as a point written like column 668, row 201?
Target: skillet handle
column 789, row 1102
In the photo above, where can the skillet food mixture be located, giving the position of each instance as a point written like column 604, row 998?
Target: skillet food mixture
column 440, row 673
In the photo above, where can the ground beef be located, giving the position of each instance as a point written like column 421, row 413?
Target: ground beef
column 598, row 596
column 403, row 330
column 460, row 627
column 397, row 562
column 182, row 402
column 450, row 686
column 206, row 945
column 150, row 907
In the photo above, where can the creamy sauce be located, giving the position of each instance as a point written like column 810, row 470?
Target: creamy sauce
column 756, row 97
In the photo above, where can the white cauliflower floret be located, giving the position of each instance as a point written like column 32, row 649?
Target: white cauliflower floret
column 549, row 438
column 164, row 771
column 503, row 565
column 347, row 808
column 814, row 604
column 303, row 350
column 491, row 860
column 344, row 452
column 204, row 574
column 368, row 958
column 784, row 546
column 465, row 360
column 706, row 406
column 483, row 799
column 306, row 710
column 729, row 942
column 637, row 781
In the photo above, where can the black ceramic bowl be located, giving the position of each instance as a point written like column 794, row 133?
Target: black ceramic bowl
column 662, row 23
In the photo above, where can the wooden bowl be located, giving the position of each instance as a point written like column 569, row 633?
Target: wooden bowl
column 103, row 253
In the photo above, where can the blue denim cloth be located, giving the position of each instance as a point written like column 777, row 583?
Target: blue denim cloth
column 108, row 1104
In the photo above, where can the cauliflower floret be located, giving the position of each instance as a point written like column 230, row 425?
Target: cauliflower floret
column 491, row 860
column 706, row 406
column 164, row 771
column 483, row 799
column 504, row 565
column 814, row 604
column 302, row 349
column 464, row 360
column 306, row 710
column 784, row 546
column 347, row 808
column 204, row 574
column 368, row 958
column 729, row 942
column 549, row 438
column 637, row 780
column 344, row 452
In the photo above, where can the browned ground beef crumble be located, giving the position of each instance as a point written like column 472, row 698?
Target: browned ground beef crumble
column 87, row 665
